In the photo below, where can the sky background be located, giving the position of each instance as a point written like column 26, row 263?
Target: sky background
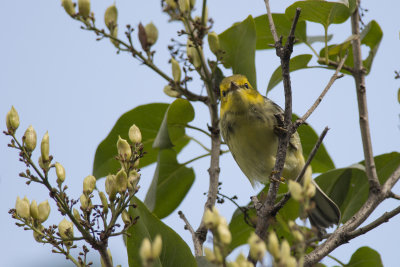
column 60, row 79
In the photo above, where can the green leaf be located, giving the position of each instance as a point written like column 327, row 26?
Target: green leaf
column 283, row 26
column 322, row 162
column 170, row 184
column 370, row 36
column 323, row 12
column 172, row 128
column 175, row 252
column 296, row 63
column 365, row 257
column 239, row 44
column 148, row 118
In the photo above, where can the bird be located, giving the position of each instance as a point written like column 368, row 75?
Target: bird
column 248, row 126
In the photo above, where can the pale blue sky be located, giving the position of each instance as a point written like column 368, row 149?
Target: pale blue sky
column 61, row 80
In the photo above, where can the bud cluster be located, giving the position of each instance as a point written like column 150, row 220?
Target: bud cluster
column 302, row 193
column 280, row 253
column 150, row 251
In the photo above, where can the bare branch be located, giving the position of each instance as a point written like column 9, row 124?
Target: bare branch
column 197, row 245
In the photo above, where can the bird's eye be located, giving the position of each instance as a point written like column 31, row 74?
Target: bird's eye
column 223, row 93
column 246, row 85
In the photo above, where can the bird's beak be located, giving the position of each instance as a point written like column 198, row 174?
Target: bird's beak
column 234, row 86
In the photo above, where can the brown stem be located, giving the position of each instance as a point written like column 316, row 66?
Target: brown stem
column 197, row 244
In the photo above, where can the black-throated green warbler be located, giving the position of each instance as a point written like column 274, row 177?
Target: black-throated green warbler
column 248, row 127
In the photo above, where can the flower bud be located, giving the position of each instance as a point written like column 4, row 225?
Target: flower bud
column 76, row 214
column 85, row 201
column 285, row 249
column 103, row 202
column 156, row 247
column 68, row 6
column 44, row 211
column 171, row 3
column 89, row 183
column 134, row 134
column 84, row 8
column 30, row 139
column 38, row 236
column 257, row 247
column 213, row 42
column 133, row 179
column 242, row 261
column 34, row 210
column 169, row 91
column 45, row 147
column 211, row 218
column 209, row 254
column 296, row 190
column 110, row 17
column 40, row 161
column 22, row 207
column 126, row 218
column 145, row 250
column 273, row 245
column 224, row 234
column 193, row 55
column 122, row 181
column 124, row 149
column 12, row 120
column 176, row 70
column 298, row 236
column 291, row 262
column 111, row 187
column 151, row 33
column 66, row 229
column 310, row 190
column 60, row 172
column 184, row 5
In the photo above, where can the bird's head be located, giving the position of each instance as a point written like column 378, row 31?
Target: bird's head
column 237, row 93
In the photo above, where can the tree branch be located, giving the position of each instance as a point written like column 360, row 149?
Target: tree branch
column 197, row 245
column 359, row 77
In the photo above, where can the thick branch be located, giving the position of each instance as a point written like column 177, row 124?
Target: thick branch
column 359, row 77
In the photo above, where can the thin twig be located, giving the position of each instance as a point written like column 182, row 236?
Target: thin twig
column 197, row 245
column 286, row 197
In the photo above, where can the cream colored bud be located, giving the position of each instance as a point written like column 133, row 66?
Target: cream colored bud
column 151, row 33
column 169, row 91
column 285, row 249
column 44, row 211
column 273, row 245
column 310, row 191
column 76, row 214
column 257, row 247
column 171, row 3
column 45, row 147
column 89, row 184
column 68, row 7
column 224, row 234
column 111, row 17
column 60, row 172
column 213, row 42
column 110, row 256
column 133, row 179
column 30, row 138
column 296, row 190
column 184, row 5
column 176, row 70
column 242, row 261
column 232, row 264
column 34, row 210
column 291, row 224
column 298, row 236
column 122, row 181
column 218, row 255
column 124, row 149
column 103, row 202
column 193, row 54
column 156, row 247
column 111, row 187
column 66, row 229
column 211, row 218
column 126, row 218
column 22, row 207
column 40, row 161
column 145, row 250
column 85, row 201
column 12, row 120
column 134, row 134
column 84, row 8
column 38, row 236
column 291, row 262
column 114, row 33
column 307, row 180
column 209, row 254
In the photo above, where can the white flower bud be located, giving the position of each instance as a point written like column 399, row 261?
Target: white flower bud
column 211, row 218
column 76, row 215
column 111, row 187
column 133, row 179
column 209, row 254
column 44, row 211
column 213, row 42
column 60, row 172
column 310, row 191
column 193, row 54
column 45, row 147
column 122, row 181
column 291, row 262
column 273, row 245
column 66, row 229
column 30, row 138
column 111, row 16
column 124, row 149
column 84, row 8
column 22, row 207
column 169, row 91
column 38, row 236
column 34, row 210
column 176, row 70
column 126, row 218
column 103, row 202
column 12, row 120
column 151, row 33
column 296, row 190
column 224, row 234
column 171, row 3
column 68, row 7
column 257, row 247
column 298, row 236
column 184, row 5
column 89, row 184
column 134, row 134
column 156, row 246
column 85, row 201
column 285, row 249
column 145, row 250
